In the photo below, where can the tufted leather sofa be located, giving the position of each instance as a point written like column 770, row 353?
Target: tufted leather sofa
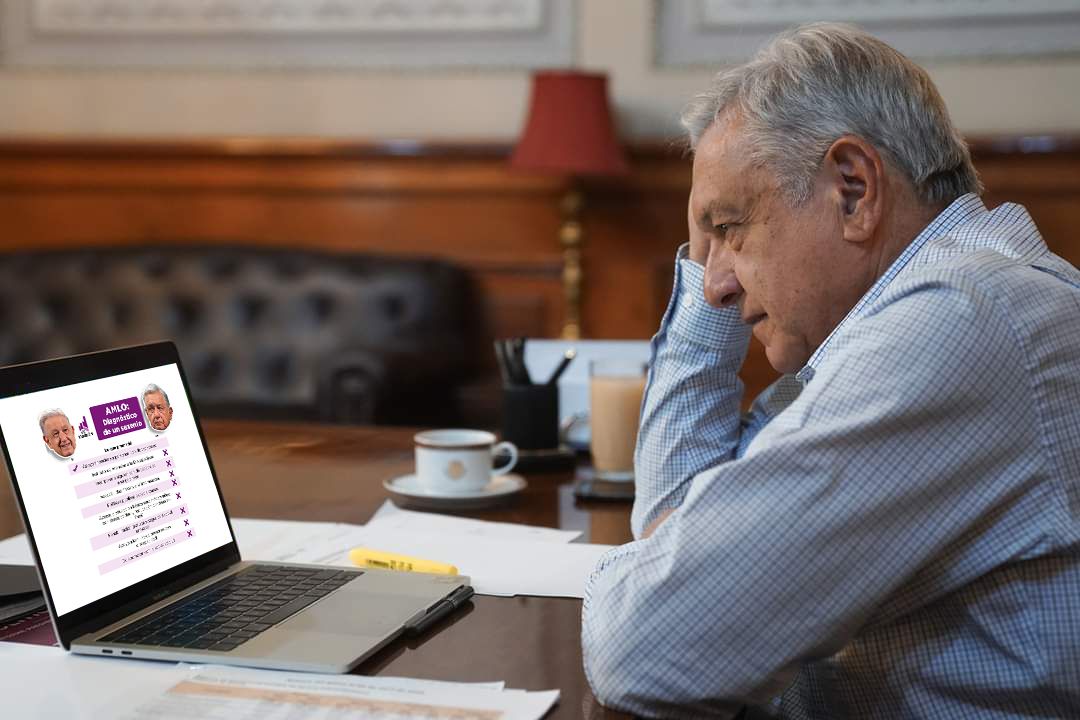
column 264, row 333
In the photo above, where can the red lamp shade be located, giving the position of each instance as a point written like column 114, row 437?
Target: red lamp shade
column 569, row 129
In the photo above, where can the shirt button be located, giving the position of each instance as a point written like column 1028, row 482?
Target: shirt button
column 688, row 301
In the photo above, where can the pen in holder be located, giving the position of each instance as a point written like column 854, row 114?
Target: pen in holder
column 530, row 411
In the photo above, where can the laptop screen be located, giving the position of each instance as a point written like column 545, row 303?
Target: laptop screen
column 115, row 481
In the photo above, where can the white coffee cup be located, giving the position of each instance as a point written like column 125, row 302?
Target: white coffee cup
column 457, row 462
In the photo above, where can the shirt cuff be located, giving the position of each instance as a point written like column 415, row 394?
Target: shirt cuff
column 613, row 555
column 692, row 318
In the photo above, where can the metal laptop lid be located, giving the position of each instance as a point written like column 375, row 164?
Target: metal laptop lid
column 114, row 482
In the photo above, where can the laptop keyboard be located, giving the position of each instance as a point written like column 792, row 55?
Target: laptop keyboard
column 235, row 609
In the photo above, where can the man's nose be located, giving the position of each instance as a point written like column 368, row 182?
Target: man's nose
column 722, row 288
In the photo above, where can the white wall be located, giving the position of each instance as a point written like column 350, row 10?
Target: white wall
column 1034, row 95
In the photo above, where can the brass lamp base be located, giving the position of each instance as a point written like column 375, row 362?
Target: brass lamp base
column 570, row 238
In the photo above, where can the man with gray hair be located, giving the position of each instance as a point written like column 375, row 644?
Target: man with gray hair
column 57, row 433
column 893, row 530
column 158, row 410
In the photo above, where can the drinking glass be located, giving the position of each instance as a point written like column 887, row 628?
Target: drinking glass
column 615, row 391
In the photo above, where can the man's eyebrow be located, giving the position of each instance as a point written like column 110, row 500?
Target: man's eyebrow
column 722, row 208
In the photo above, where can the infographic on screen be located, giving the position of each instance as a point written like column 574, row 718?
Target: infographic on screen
column 115, row 481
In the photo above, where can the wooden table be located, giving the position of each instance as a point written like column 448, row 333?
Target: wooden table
column 332, row 473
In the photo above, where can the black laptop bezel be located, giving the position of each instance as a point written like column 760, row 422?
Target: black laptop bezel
column 33, row 377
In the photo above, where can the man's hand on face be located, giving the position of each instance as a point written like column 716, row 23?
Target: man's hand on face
column 699, row 241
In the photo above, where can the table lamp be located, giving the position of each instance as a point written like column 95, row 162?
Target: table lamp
column 569, row 132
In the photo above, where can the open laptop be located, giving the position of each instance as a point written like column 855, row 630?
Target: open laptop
column 133, row 545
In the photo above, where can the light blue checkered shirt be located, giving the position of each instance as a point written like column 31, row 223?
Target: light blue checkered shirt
column 890, row 533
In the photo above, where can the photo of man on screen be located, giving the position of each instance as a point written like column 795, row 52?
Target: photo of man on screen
column 57, row 432
column 158, row 410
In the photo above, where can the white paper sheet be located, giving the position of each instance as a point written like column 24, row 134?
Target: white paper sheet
column 293, row 540
column 496, row 565
column 15, row 550
column 391, row 517
column 49, row 682
column 225, row 693
column 505, row 567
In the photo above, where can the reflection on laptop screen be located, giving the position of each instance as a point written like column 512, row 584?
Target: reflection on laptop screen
column 116, row 484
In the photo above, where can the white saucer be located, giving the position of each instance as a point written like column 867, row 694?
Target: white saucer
column 407, row 489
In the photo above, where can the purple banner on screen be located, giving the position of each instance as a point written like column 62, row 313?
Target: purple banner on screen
column 116, row 418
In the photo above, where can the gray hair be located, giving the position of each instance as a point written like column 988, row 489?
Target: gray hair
column 813, row 84
column 152, row 388
column 48, row 414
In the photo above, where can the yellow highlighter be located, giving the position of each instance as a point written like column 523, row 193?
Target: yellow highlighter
column 366, row 557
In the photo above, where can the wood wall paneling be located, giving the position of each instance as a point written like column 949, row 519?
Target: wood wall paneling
column 457, row 202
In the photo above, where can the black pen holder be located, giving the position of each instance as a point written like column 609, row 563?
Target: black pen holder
column 530, row 417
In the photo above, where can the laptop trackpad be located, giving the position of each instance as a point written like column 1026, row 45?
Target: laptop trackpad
column 356, row 613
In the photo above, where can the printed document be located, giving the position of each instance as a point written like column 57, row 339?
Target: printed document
column 391, row 517
column 497, row 564
column 222, row 693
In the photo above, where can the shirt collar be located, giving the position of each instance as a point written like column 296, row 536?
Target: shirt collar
column 960, row 211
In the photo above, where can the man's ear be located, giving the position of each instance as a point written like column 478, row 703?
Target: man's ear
column 857, row 173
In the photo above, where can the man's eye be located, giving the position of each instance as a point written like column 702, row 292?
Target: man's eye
column 722, row 228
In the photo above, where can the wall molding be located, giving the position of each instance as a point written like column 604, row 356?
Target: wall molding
column 710, row 32
column 92, row 17
column 287, row 34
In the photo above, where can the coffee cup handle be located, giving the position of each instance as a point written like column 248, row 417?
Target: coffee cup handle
column 510, row 449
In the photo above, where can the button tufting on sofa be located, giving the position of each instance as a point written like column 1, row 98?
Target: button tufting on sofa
column 263, row 332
